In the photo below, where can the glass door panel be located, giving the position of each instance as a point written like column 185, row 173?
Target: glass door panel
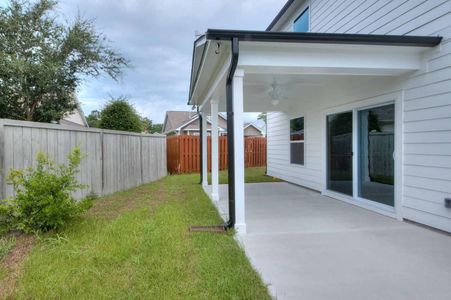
column 339, row 153
column 376, row 147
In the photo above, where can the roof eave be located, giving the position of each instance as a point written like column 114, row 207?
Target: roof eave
column 309, row 37
column 325, row 38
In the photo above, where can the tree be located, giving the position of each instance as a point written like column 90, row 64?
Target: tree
column 93, row 119
column 42, row 61
column 118, row 114
column 147, row 124
column 262, row 116
column 156, row 128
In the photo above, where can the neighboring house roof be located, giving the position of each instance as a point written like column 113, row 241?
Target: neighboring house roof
column 252, row 129
column 75, row 118
column 189, row 121
column 175, row 119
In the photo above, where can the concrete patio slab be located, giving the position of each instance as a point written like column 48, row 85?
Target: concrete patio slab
column 308, row 246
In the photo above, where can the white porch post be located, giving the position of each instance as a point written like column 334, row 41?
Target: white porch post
column 214, row 151
column 240, row 223
column 204, row 150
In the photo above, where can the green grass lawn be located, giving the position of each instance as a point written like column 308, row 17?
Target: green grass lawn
column 251, row 175
column 136, row 245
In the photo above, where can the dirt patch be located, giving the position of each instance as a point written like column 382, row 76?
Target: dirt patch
column 12, row 264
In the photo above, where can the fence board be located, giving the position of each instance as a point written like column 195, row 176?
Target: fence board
column 183, row 153
column 113, row 161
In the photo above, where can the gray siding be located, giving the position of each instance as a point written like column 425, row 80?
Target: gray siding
column 113, row 161
column 426, row 102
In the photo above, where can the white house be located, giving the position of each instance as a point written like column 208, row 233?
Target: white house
column 75, row 118
column 358, row 95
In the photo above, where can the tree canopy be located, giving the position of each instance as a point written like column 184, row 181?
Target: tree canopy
column 156, row 128
column 93, row 119
column 42, row 60
column 262, row 116
column 118, row 114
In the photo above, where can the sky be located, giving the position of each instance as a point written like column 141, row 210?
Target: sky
column 157, row 38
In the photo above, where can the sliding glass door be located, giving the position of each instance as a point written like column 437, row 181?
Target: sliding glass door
column 339, row 153
column 376, row 142
column 374, row 134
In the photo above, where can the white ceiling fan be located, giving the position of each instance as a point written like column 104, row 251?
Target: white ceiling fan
column 276, row 91
column 276, row 94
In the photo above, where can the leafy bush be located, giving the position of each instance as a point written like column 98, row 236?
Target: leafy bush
column 43, row 195
column 119, row 114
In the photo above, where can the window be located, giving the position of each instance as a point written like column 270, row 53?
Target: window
column 301, row 24
column 297, row 141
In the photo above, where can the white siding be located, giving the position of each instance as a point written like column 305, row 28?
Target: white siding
column 426, row 105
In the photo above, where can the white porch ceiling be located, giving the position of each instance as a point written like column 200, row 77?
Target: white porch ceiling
column 303, row 87
column 302, row 70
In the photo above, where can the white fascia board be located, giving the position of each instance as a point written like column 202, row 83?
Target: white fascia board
column 188, row 122
column 191, row 121
column 219, row 127
column 199, row 73
column 194, row 129
column 253, row 125
column 303, row 58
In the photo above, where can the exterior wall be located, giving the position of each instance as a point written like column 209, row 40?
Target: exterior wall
column 425, row 104
column 252, row 131
column 74, row 119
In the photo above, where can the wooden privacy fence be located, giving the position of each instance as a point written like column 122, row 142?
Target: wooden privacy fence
column 114, row 160
column 183, row 153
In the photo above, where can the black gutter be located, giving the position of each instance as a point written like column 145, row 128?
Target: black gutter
column 280, row 14
column 201, row 142
column 323, row 38
column 230, row 133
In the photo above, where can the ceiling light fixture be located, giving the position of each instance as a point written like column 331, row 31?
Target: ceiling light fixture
column 275, row 94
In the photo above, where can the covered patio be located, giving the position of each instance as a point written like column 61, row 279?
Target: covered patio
column 339, row 236
column 311, row 78
column 309, row 246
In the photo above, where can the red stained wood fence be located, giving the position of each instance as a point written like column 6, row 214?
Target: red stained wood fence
column 183, row 153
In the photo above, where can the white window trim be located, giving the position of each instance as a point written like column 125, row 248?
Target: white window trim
column 389, row 98
column 296, row 142
column 301, row 12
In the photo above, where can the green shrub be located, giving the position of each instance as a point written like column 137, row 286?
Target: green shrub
column 43, row 195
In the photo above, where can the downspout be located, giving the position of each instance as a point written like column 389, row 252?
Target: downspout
column 230, row 133
column 201, row 137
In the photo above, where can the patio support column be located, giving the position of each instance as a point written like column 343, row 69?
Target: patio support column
column 204, row 155
column 214, row 151
column 238, row 122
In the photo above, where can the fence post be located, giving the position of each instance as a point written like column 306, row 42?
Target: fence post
column 102, row 158
column 141, row 161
